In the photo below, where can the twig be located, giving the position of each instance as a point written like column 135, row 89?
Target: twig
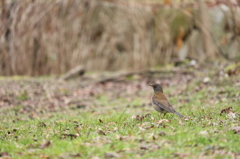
column 144, row 72
column 75, row 72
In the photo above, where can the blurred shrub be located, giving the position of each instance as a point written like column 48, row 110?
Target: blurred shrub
column 51, row 36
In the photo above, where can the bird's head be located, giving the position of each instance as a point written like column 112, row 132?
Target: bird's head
column 156, row 87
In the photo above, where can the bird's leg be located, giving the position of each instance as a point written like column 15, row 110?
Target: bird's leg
column 164, row 114
column 161, row 115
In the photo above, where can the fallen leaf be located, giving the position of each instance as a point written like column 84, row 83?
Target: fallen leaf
column 100, row 120
column 144, row 147
column 146, row 115
column 203, row 133
column 133, row 117
column 72, row 136
column 162, row 133
column 162, row 121
column 226, row 111
column 231, row 115
column 111, row 155
column 4, row 154
column 180, row 122
column 76, row 155
column 206, row 80
column 42, row 124
column 236, row 129
column 44, row 156
column 100, row 132
column 181, row 155
column 76, row 122
column 153, row 137
column 45, row 144
column 14, row 130
column 139, row 117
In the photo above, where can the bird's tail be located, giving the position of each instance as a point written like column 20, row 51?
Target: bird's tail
column 180, row 115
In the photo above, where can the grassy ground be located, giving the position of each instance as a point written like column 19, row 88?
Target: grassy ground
column 41, row 118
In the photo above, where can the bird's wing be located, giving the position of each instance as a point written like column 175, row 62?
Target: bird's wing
column 163, row 106
column 163, row 103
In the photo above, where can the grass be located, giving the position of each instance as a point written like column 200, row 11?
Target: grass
column 122, row 127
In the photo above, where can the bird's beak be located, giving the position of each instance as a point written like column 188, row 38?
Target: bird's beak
column 150, row 84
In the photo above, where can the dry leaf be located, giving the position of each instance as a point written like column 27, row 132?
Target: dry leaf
column 100, row 132
column 144, row 147
column 45, row 144
column 226, row 111
column 236, row 129
column 133, row 117
column 44, row 156
column 162, row 133
column 162, row 121
column 204, row 133
column 231, row 115
column 206, row 80
column 180, row 122
column 4, row 154
column 111, row 155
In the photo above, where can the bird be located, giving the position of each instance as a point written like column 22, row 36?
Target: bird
column 160, row 102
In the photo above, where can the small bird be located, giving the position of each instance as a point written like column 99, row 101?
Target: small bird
column 160, row 102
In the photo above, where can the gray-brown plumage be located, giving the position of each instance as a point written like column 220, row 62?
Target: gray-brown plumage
column 160, row 102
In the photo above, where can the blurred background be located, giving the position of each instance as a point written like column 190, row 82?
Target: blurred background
column 43, row 37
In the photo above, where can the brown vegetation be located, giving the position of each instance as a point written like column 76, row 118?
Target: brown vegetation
column 51, row 37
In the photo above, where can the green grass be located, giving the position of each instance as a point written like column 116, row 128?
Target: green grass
column 80, row 134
